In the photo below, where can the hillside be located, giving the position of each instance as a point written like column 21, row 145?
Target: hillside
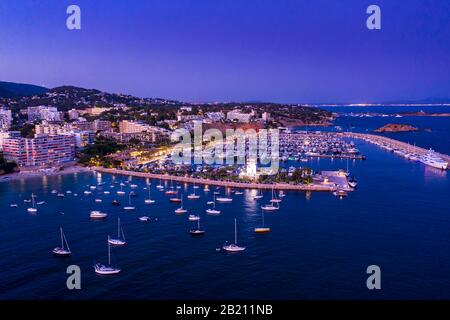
column 11, row 89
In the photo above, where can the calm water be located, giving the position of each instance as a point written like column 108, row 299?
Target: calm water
column 319, row 247
column 437, row 138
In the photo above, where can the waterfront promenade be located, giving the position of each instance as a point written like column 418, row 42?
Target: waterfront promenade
column 395, row 144
column 327, row 186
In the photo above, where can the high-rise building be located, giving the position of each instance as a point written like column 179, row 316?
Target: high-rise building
column 73, row 114
column 43, row 113
column 5, row 118
column 41, row 151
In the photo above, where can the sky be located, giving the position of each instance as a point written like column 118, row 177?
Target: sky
column 287, row 51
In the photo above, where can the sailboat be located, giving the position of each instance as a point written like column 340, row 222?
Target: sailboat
column 121, row 192
column 206, row 189
column 262, row 229
column 160, row 186
column 213, row 211
column 33, row 208
column 98, row 215
column 118, row 242
column 181, row 210
column 233, row 247
column 274, row 198
column 64, row 250
column 149, row 200
column 193, row 217
column 198, row 231
column 224, row 199
column 171, row 191
column 129, row 207
column 271, row 206
column 106, row 270
column 193, row 196
column 176, row 199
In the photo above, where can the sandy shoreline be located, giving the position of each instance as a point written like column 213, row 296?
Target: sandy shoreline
column 27, row 175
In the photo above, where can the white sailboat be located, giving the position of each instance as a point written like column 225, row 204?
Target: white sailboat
column 119, row 241
column 181, row 210
column 213, row 211
column 106, row 269
column 95, row 214
column 160, row 186
column 121, row 192
column 193, row 217
column 197, row 231
column 64, row 250
column 259, row 195
column 225, row 199
column 263, row 228
column 33, row 208
column 274, row 198
column 149, row 200
column 129, row 207
column 193, row 196
column 233, row 247
column 271, row 207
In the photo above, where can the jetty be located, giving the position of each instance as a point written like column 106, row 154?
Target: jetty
column 391, row 143
column 326, row 182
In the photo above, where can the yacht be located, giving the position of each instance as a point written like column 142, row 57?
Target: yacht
column 149, row 200
column 193, row 217
column 121, row 192
column 233, row 247
column 197, row 231
column 263, row 228
column 98, row 200
column 98, row 215
column 33, row 208
column 434, row 160
column 14, row 205
column 180, row 210
column 352, row 182
column 119, row 241
column 87, row 192
column 129, row 207
column 64, row 250
column 144, row 219
column 106, row 270
column 213, row 211
column 259, row 195
column 193, row 196
column 270, row 207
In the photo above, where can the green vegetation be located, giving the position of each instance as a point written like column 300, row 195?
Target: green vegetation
column 7, row 166
column 95, row 154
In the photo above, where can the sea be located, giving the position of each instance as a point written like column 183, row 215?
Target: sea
column 319, row 246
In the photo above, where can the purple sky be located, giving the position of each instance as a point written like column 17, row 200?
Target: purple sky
column 232, row 50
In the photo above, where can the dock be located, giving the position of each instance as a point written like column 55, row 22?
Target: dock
column 327, row 182
column 392, row 143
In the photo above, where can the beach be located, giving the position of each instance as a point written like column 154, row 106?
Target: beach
column 34, row 174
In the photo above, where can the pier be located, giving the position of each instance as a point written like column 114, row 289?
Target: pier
column 329, row 183
column 392, row 143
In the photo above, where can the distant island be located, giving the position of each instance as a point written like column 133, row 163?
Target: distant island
column 393, row 127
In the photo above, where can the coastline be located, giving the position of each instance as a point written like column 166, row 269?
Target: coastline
column 323, row 187
column 26, row 175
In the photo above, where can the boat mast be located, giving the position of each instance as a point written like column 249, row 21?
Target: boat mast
column 262, row 217
column 118, row 227
column 62, row 241
column 109, row 253
column 235, row 232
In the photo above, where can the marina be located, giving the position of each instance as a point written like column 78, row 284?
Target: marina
column 309, row 226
